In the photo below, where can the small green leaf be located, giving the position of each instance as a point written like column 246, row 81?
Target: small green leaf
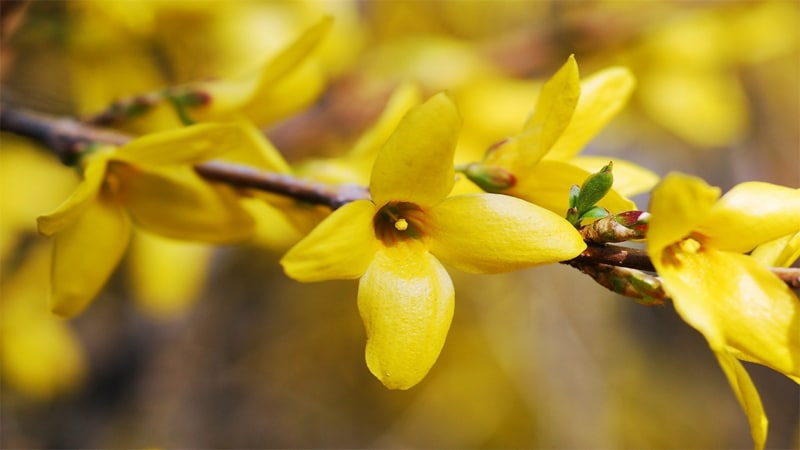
column 594, row 188
column 595, row 213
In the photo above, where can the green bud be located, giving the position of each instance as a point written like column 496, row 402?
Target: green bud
column 594, row 188
column 574, row 192
column 490, row 178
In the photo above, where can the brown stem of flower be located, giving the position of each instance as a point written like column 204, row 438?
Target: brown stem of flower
column 68, row 139
column 308, row 191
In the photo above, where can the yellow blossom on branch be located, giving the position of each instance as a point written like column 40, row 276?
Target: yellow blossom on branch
column 543, row 157
column 394, row 243
column 696, row 241
column 149, row 182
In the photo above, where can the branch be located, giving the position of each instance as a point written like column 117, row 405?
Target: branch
column 609, row 265
column 307, row 191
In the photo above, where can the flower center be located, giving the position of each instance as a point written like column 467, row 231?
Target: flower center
column 398, row 221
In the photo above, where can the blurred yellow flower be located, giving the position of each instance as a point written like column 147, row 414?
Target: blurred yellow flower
column 696, row 240
column 39, row 355
column 543, row 156
column 394, row 242
column 149, row 181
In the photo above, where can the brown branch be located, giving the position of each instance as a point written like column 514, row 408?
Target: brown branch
column 308, row 191
column 68, row 138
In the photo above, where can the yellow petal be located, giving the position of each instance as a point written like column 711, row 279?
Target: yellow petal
column 629, row 178
column 86, row 192
column 751, row 214
column 706, row 108
column 341, row 247
column 167, row 275
column 256, row 151
column 490, row 233
column 781, row 252
column 677, row 205
column 406, row 301
column 737, row 303
column 40, row 356
column 602, row 96
column 416, row 163
column 283, row 85
column 547, row 184
column 177, row 203
column 85, row 254
column 747, row 395
column 185, row 145
column 294, row 54
column 405, row 97
column 553, row 112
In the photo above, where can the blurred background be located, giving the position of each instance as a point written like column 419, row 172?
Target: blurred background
column 196, row 347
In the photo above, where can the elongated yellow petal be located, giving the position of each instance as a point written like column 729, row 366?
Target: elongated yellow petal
column 257, row 151
column 86, row 192
column 677, row 205
column 750, row 214
column 177, row 203
column 294, row 54
column 490, row 233
column 85, row 254
column 341, row 247
column 186, row 145
column 553, row 112
column 405, row 97
column 167, row 274
column 416, row 163
column 747, row 395
column 406, row 301
column 735, row 302
column 781, row 252
column 547, row 184
column 629, row 178
column 602, row 96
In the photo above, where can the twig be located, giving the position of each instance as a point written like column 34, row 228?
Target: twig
column 68, row 138
column 308, row 191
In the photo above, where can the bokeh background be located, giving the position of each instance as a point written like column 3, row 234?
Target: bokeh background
column 194, row 347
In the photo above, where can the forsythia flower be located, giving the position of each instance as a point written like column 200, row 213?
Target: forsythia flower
column 744, row 311
column 149, row 181
column 568, row 113
column 394, row 242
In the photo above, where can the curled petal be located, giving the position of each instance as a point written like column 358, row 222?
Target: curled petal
column 85, row 254
column 185, row 145
column 602, row 96
column 86, row 193
column 177, row 203
column 340, row 247
column 736, row 303
column 677, row 205
column 547, row 184
column 553, row 112
column 490, row 233
column 781, row 252
column 416, row 163
column 406, row 301
column 750, row 214
column 747, row 395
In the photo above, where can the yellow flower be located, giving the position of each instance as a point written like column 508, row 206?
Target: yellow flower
column 40, row 355
column 394, row 242
column 568, row 113
column 150, row 182
column 696, row 241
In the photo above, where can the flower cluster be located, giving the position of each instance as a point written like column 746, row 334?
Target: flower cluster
column 396, row 209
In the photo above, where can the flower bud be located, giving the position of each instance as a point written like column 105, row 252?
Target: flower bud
column 594, row 188
column 490, row 178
